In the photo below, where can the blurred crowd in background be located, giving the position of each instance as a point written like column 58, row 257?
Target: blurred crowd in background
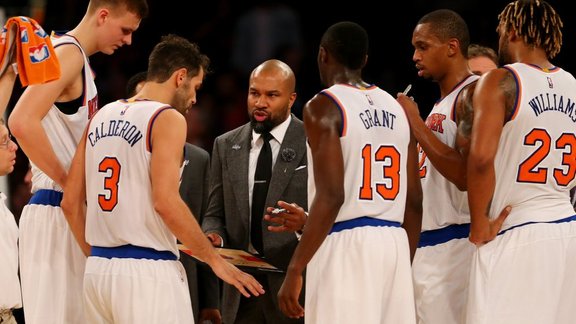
column 239, row 35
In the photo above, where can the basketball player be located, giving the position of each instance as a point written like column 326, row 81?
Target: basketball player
column 522, row 155
column 48, row 121
column 10, row 297
column 357, row 253
column 441, row 265
column 203, row 285
column 128, row 171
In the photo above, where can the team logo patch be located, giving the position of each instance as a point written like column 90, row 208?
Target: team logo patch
column 39, row 31
column 38, row 53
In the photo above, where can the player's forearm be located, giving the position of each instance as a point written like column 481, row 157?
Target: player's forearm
column 77, row 223
column 413, row 210
column 413, row 223
column 6, row 86
column 481, row 179
column 33, row 140
column 184, row 226
column 323, row 212
column 446, row 160
column 74, row 209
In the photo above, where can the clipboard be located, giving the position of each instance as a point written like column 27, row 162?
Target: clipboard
column 244, row 260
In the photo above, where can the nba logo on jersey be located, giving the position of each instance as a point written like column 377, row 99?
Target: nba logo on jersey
column 550, row 84
column 38, row 53
column 23, row 35
column 370, row 100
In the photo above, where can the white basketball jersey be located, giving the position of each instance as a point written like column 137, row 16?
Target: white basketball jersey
column 374, row 140
column 118, row 185
column 443, row 204
column 536, row 158
column 65, row 130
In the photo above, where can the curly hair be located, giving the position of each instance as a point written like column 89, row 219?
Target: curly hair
column 536, row 22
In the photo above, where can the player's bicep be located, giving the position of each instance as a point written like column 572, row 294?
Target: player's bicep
column 75, row 187
column 41, row 96
column 322, row 122
column 167, row 149
column 412, row 173
column 489, row 102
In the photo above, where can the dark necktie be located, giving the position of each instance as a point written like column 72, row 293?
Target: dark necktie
column 259, row 191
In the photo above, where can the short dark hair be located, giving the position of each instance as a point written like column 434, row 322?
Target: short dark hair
column 173, row 53
column 348, row 43
column 133, row 83
column 448, row 24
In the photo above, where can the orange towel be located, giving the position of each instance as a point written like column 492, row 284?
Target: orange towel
column 35, row 57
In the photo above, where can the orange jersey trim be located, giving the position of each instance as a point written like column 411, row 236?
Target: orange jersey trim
column 150, row 124
column 340, row 107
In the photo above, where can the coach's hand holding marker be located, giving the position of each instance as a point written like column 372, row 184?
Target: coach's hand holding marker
column 286, row 218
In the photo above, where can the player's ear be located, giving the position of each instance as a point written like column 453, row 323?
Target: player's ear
column 322, row 55
column 453, row 47
column 179, row 76
column 102, row 14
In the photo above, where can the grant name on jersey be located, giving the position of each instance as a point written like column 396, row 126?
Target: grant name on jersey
column 120, row 128
column 377, row 118
column 553, row 102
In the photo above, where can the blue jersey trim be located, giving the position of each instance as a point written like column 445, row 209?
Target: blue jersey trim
column 558, row 221
column 46, row 197
column 132, row 252
column 443, row 235
column 360, row 222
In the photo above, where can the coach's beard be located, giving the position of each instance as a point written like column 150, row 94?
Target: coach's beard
column 263, row 126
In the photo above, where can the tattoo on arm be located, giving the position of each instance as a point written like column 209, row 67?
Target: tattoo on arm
column 466, row 111
column 508, row 86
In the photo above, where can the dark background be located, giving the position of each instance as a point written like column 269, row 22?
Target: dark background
column 212, row 24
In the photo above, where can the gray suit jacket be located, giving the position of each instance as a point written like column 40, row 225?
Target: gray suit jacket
column 202, row 282
column 228, row 211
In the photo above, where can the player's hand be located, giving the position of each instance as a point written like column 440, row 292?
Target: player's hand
column 288, row 295
column 292, row 220
column 244, row 282
column 409, row 105
column 215, row 239
column 481, row 235
column 210, row 314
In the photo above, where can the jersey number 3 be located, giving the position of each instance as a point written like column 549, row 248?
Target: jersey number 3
column 111, row 167
column 391, row 172
column 529, row 170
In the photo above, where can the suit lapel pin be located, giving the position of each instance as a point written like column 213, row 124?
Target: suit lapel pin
column 235, row 147
column 288, row 154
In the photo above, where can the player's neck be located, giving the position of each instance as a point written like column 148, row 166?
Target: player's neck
column 84, row 34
